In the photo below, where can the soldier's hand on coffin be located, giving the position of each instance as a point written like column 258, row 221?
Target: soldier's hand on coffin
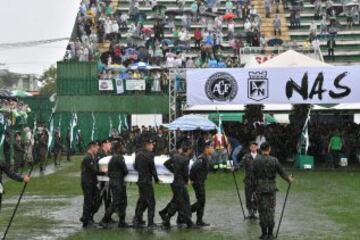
column 26, row 179
column 104, row 170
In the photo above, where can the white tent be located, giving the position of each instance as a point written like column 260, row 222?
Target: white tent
column 252, row 62
column 292, row 58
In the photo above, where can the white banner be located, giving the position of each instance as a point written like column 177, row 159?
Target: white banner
column 310, row 85
column 106, row 85
column 119, row 86
column 135, row 85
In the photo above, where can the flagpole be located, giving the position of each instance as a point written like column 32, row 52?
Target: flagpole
column 17, row 204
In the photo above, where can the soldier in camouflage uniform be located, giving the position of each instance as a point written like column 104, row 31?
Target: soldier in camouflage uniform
column 265, row 169
column 248, row 163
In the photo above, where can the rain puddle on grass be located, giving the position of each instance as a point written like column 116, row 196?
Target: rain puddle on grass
column 41, row 217
column 300, row 218
column 61, row 217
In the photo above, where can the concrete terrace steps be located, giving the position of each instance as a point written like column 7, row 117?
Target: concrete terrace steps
column 348, row 40
column 267, row 23
column 349, row 63
column 300, row 33
column 343, row 53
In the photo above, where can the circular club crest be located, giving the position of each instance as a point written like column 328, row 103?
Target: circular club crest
column 104, row 85
column 221, row 86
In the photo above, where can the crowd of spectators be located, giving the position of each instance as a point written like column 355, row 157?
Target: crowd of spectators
column 326, row 21
column 198, row 35
column 285, row 143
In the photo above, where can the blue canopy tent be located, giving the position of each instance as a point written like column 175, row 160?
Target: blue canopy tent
column 191, row 123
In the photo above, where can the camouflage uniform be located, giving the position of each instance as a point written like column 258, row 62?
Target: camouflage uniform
column 248, row 163
column 265, row 170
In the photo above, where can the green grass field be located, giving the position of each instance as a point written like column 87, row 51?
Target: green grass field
column 322, row 205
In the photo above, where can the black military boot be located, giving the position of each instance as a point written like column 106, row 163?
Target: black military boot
column 112, row 221
column 201, row 223
column 166, row 222
column 180, row 221
column 191, row 225
column 123, row 224
column 264, row 233
column 138, row 222
column 163, row 215
column 104, row 223
column 151, row 224
column 270, row 235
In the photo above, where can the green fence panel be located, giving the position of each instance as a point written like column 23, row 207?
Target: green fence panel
column 85, row 124
column 76, row 78
column 141, row 104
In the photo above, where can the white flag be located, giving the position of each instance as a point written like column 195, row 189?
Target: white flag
column 93, row 126
column 304, row 140
column 120, row 124
column 119, row 86
column 110, row 127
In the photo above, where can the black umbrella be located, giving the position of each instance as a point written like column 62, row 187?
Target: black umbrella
column 209, row 14
column 157, row 17
column 240, row 35
column 188, row 12
column 158, row 8
column 275, row 42
column 173, row 12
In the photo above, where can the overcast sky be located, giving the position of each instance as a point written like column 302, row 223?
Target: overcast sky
column 33, row 20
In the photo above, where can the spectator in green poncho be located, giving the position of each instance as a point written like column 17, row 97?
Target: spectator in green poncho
column 335, row 147
column 109, row 10
column 148, row 82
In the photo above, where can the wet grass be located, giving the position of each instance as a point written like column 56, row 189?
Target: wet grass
column 322, row 205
